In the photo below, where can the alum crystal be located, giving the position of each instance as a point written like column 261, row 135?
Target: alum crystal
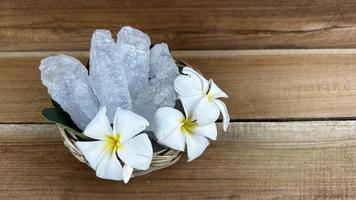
column 107, row 75
column 135, row 46
column 68, row 84
column 126, row 74
column 160, row 91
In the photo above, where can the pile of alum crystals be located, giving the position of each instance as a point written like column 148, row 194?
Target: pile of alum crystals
column 126, row 74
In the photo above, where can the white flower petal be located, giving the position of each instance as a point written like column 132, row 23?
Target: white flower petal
column 175, row 140
column 224, row 112
column 196, row 144
column 186, row 86
column 206, row 112
column 216, row 91
column 190, row 103
column 109, row 167
column 128, row 124
column 208, row 130
column 99, row 126
column 92, row 151
column 191, row 72
column 192, row 83
column 166, row 120
column 127, row 172
column 137, row 152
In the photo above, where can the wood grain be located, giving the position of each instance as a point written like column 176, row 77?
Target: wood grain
column 273, row 160
column 262, row 84
column 254, row 160
column 184, row 24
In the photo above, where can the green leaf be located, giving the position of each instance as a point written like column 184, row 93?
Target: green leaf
column 56, row 105
column 62, row 119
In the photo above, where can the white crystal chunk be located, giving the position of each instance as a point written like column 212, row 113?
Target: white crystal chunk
column 107, row 74
column 68, row 84
column 160, row 91
column 134, row 45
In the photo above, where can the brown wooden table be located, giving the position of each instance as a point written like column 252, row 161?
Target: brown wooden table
column 289, row 68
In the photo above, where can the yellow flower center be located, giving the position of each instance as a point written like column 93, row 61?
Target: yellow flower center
column 188, row 125
column 210, row 96
column 113, row 143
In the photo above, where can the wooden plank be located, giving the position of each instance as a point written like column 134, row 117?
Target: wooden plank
column 184, row 24
column 273, row 160
column 270, row 84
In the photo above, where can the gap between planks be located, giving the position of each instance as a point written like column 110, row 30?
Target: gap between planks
column 194, row 53
column 278, row 132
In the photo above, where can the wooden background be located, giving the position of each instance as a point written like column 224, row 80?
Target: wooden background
column 288, row 66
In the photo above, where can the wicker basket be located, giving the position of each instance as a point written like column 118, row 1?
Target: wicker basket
column 161, row 159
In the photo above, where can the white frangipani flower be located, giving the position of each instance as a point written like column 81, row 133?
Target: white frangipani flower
column 175, row 130
column 201, row 95
column 121, row 141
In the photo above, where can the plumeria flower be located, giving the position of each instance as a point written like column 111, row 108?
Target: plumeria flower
column 120, row 142
column 175, row 130
column 196, row 92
